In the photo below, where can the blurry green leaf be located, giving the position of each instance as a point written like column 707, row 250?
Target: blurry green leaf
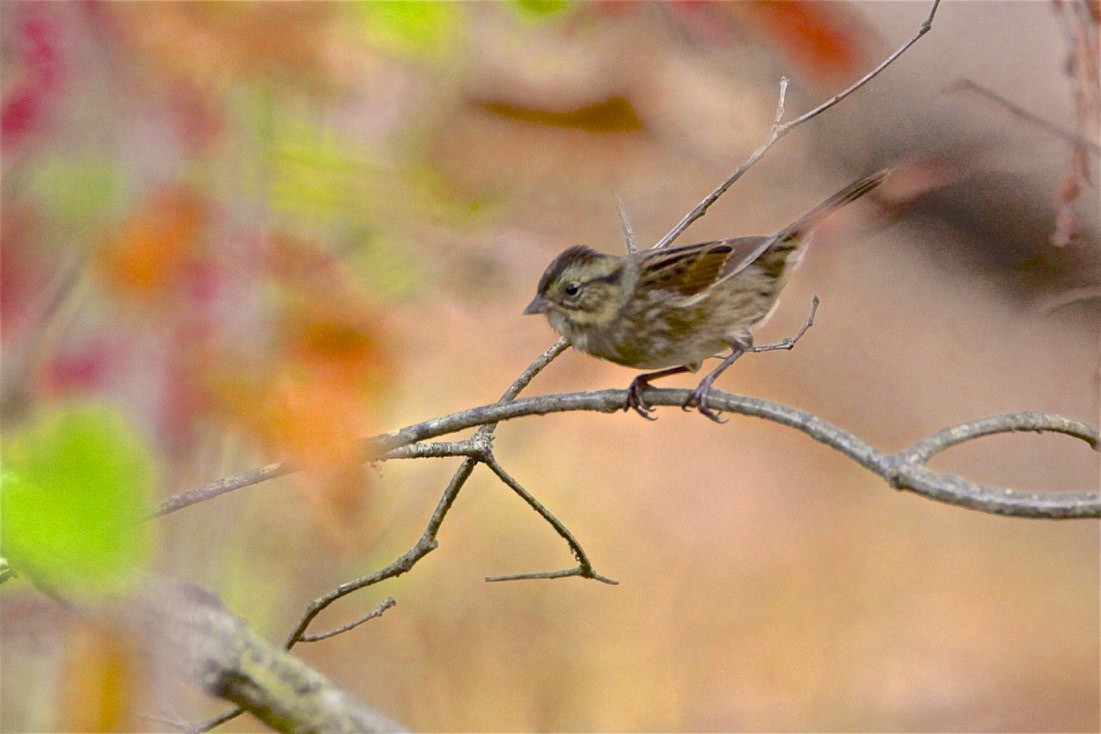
column 389, row 269
column 541, row 7
column 74, row 491
column 80, row 192
column 410, row 28
column 316, row 175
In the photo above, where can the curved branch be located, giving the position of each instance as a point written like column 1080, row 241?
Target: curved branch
column 1034, row 421
column 903, row 470
column 896, row 469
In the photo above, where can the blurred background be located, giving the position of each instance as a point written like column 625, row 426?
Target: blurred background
column 256, row 231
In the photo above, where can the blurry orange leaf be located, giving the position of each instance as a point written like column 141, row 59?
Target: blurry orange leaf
column 316, row 419
column 98, row 691
column 315, row 392
column 340, row 340
column 154, row 248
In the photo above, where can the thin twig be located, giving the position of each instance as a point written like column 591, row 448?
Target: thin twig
column 374, row 614
column 625, row 223
column 425, row 545
column 779, row 130
column 584, row 565
column 221, row 486
column 966, row 85
column 789, row 342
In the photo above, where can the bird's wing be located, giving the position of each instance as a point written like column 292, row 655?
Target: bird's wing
column 687, row 272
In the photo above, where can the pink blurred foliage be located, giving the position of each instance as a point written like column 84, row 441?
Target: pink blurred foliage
column 39, row 77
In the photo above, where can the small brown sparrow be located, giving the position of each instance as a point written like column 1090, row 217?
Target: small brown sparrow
column 669, row 309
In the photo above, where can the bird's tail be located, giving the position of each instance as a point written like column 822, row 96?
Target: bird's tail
column 790, row 239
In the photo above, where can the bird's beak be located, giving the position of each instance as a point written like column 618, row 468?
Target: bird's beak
column 539, row 304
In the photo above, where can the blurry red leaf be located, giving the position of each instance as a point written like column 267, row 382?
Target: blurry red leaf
column 80, row 369
column 824, row 38
column 20, row 113
column 39, row 72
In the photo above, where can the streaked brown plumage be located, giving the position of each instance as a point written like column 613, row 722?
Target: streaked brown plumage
column 670, row 309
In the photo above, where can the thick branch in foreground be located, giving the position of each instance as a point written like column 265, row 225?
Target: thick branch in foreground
column 219, row 652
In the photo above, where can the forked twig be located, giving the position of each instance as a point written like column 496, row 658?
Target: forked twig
column 779, row 129
column 584, row 566
column 478, row 449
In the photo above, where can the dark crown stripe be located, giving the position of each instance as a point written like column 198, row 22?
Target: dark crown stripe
column 576, row 255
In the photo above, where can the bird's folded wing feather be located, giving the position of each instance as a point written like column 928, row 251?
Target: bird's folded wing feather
column 689, row 271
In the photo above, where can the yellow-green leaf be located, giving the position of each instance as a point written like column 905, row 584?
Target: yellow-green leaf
column 80, row 193
column 411, row 28
column 540, row 8
column 74, row 490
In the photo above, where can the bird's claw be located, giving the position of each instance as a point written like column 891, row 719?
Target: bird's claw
column 698, row 400
column 636, row 402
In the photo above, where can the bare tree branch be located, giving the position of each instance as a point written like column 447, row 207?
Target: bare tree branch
column 903, row 470
column 478, row 449
column 884, row 464
column 221, row 486
column 967, row 85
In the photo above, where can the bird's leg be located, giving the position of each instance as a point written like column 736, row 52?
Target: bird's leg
column 635, row 401
column 738, row 347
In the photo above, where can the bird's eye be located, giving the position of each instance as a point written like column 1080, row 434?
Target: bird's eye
column 571, row 289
